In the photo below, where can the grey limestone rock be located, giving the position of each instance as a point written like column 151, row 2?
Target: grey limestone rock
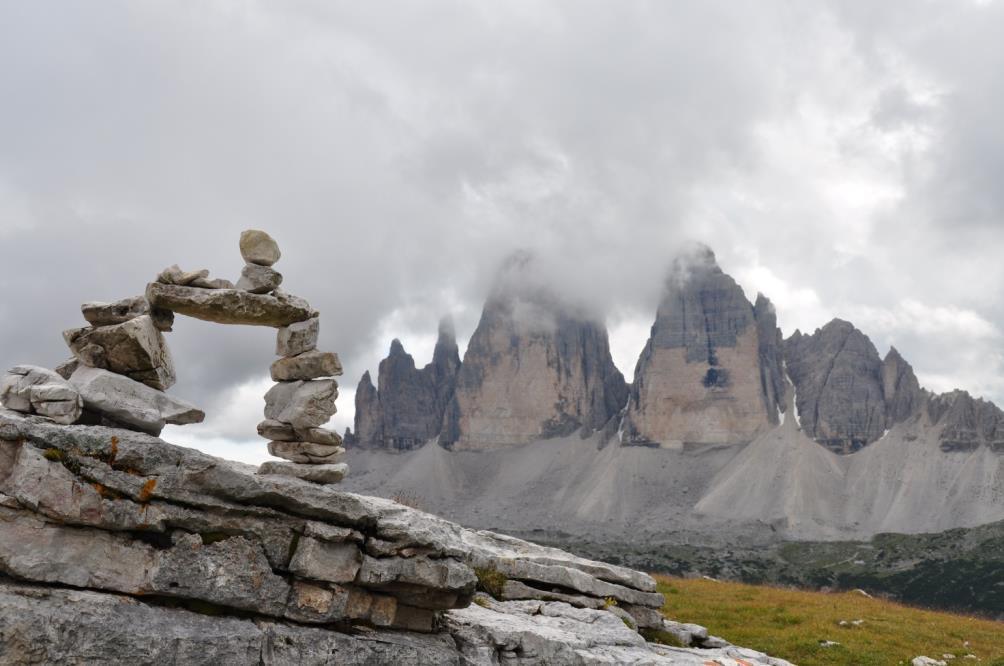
column 900, row 388
column 284, row 432
column 709, row 373
column 837, row 374
column 216, row 283
column 306, row 365
column 174, row 275
column 408, row 409
column 257, row 247
column 134, row 348
column 229, row 306
column 302, row 404
column 66, row 368
column 259, row 279
column 119, row 312
column 35, row 390
column 131, row 402
column 966, row 422
column 306, row 452
column 297, row 338
column 314, row 473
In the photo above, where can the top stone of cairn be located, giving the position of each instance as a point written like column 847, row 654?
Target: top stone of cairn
column 257, row 247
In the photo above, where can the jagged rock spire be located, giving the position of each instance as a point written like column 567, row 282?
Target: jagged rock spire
column 536, row 367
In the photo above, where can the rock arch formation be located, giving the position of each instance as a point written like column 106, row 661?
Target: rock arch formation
column 121, row 365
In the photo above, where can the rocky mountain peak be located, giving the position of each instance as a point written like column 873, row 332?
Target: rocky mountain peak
column 536, row 367
column 407, row 409
column 709, row 373
column 846, row 395
column 967, row 422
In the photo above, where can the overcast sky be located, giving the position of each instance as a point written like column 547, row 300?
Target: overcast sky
column 844, row 158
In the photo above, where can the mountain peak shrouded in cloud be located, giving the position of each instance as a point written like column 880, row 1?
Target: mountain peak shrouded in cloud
column 536, row 367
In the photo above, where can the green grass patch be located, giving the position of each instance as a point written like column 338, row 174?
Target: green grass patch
column 793, row 624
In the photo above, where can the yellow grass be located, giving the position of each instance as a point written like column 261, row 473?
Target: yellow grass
column 792, row 623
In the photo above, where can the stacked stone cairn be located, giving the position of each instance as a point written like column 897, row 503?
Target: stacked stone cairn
column 303, row 398
column 121, row 365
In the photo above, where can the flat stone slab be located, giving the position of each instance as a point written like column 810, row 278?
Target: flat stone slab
column 323, row 474
column 308, row 365
column 119, row 312
column 306, row 452
column 229, row 306
column 131, row 402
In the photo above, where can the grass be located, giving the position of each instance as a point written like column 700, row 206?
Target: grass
column 792, row 624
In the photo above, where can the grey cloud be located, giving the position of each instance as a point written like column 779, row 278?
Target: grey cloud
column 399, row 151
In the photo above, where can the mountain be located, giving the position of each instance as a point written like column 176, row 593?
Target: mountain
column 536, row 367
column 407, row 410
column 729, row 434
column 709, row 371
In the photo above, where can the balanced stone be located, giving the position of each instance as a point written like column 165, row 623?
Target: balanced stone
column 131, row 402
column 34, row 390
column 66, row 368
column 229, row 306
column 284, row 432
column 174, row 275
column 297, row 338
column 302, row 404
column 215, row 283
column 313, row 473
column 259, row 279
column 119, row 312
column 277, row 430
column 257, row 247
column 308, row 365
column 319, row 436
column 306, row 452
column 134, row 348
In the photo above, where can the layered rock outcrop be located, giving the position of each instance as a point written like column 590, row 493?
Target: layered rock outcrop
column 710, row 371
column 967, row 423
column 126, row 548
column 846, row 396
column 407, row 409
column 536, row 367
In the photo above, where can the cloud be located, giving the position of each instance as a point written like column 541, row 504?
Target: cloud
column 840, row 156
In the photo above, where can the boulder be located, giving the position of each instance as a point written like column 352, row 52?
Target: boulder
column 322, row 474
column 134, row 348
column 109, row 314
column 306, row 452
column 307, row 365
column 216, row 283
column 297, row 338
column 284, row 432
column 130, row 402
column 303, row 404
column 229, row 306
column 259, row 279
column 257, row 247
column 174, row 275
column 35, row 390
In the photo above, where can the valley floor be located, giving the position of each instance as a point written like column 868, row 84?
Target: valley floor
column 796, row 625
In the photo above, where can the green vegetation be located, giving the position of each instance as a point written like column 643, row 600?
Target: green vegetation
column 959, row 570
column 795, row 624
column 491, row 582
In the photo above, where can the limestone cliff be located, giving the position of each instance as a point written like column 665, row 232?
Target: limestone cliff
column 536, row 367
column 407, row 409
column 710, row 371
column 847, row 397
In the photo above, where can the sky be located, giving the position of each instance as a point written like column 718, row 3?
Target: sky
column 843, row 158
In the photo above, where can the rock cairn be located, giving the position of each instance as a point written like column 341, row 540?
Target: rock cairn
column 121, row 365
